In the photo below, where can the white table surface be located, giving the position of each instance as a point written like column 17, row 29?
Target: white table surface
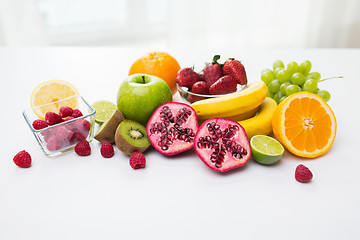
column 73, row 197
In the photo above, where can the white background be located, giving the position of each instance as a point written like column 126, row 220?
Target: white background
column 185, row 23
column 73, row 197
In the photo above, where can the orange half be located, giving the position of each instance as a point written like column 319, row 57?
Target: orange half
column 305, row 124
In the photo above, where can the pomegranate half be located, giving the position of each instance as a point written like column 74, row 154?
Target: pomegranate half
column 222, row 144
column 172, row 127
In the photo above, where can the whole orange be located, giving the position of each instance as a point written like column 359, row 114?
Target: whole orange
column 159, row 64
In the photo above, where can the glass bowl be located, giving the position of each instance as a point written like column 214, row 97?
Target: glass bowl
column 190, row 97
column 62, row 137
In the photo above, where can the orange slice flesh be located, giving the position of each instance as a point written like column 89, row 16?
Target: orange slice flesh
column 305, row 124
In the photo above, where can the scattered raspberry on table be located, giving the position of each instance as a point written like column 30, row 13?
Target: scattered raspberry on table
column 22, row 159
column 137, row 160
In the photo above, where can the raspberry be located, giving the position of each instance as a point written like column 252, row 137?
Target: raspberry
column 76, row 113
column 65, row 111
column 22, row 159
column 68, row 118
column 62, row 134
column 77, row 137
column 107, row 150
column 53, row 144
column 47, row 133
column 303, row 174
column 137, row 160
column 86, row 124
column 83, row 148
column 39, row 124
column 52, row 118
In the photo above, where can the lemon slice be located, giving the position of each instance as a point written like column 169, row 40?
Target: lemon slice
column 50, row 92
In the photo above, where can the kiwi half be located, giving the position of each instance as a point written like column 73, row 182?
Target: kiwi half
column 131, row 136
column 106, row 132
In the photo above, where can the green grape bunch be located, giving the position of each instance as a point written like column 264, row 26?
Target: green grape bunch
column 282, row 82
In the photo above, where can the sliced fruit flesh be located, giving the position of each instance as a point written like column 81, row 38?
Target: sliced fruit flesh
column 51, row 92
column 134, row 133
column 267, row 145
column 310, row 128
column 175, row 129
column 104, row 110
column 223, row 159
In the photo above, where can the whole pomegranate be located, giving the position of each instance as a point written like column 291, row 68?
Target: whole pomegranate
column 172, row 127
column 222, row 144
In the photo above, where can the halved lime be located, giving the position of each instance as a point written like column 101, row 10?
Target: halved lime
column 266, row 150
column 104, row 110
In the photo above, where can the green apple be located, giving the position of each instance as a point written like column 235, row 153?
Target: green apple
column 140, row 94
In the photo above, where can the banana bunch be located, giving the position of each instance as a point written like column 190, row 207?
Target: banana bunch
column 250, row 107
column 232, row 104
column 260, row 124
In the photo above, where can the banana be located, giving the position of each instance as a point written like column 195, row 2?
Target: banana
column 232, row 104
column 261, row 124
column 238, row 117
column 245, row 115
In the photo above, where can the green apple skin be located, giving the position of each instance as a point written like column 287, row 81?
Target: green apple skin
column 140, row 94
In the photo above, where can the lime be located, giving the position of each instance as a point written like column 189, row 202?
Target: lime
column 266, row 150
column 104, row 110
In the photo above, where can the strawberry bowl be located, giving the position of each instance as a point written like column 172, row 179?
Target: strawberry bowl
column 59, row 130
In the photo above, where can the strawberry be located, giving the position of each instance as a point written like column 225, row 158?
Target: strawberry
column 212, row 72
column 226, row 84
column 235, row 69
column 186, row 77
column 199, row 87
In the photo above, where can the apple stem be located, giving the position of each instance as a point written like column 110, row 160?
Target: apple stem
column 143, row 77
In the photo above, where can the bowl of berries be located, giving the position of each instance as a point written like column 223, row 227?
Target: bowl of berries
column 57, row 127
column 213, row 80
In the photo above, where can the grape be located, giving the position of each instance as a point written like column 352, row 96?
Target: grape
column 314, row 75
column 277, row 97
column 297, row 79
column 324, row 95
column 292, row 89
column 267, row 77
column 278, row 64
column 274, row 86
column 265, row 70
column 310, row 85
column 293, row 67
column 283, row 88
column 276, row 71
column 305, row 67
column 270, row 95
column 284, row 76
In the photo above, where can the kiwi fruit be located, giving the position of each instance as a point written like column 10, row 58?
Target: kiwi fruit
column 131, row 136
column 106, row 132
